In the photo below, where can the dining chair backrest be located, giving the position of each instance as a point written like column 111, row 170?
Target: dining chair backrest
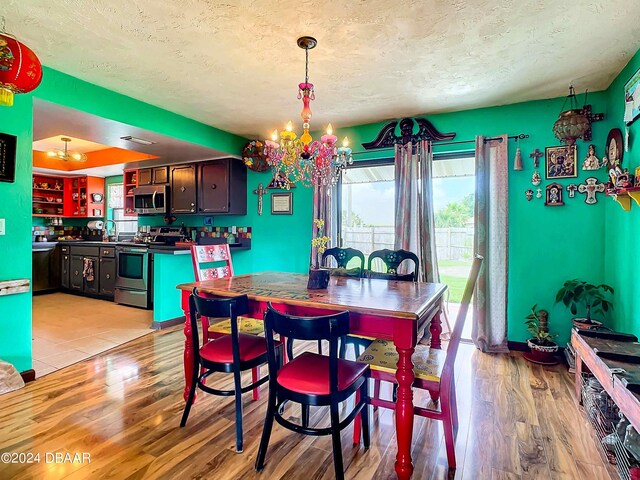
column 456, row 335
column 343, row 256
column 203, row 256
column 392, row 260
column 217, row 307
column 333, row 328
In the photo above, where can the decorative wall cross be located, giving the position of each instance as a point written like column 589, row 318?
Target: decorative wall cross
column 593, row 117
column 572, row 190
column 536, row 154
column 260, row 191
column 591, row 187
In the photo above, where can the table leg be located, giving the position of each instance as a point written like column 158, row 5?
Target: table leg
column 436, row 329
column 404, row 413
column 188, row 348
column 578, row 379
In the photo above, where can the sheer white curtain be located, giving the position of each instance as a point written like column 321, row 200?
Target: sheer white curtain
column 489, row 330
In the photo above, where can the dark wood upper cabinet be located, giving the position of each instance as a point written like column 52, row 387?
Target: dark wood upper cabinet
column 222, row 187
column 160, row 175
column 183, row 189
column 145, row 176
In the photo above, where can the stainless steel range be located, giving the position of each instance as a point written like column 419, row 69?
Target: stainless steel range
column 133, row 286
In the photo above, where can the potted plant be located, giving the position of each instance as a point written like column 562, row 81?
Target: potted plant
column 318, row 277
column 543, row 348
column 575, row 293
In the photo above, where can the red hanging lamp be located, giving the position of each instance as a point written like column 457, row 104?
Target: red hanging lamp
column 20, row 69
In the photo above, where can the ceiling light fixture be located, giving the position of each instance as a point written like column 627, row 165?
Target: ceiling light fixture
column 303, row 159
column 65, row 154
column 141, row 141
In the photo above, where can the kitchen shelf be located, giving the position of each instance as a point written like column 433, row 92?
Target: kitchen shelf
column 49, row 203
column 624, row 197
column 47, row 215
column 48, row 190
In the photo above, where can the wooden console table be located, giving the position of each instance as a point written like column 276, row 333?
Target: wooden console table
column 586, row 356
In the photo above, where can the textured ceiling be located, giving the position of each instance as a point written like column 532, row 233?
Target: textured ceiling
column 75, row 145
column 235, row 64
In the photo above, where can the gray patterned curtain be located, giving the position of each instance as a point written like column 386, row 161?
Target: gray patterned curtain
column 489, row 331
column 414, row 217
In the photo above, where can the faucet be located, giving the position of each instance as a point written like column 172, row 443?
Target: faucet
column 105, row 235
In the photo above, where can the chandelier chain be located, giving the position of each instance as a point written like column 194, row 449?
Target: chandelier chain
column 306, row 65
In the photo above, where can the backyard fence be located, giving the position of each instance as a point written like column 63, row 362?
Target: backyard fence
column 452, row 243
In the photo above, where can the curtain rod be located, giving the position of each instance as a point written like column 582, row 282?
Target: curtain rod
column 520, row 136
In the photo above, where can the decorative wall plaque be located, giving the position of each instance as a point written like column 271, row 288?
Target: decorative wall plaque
column 8, row 145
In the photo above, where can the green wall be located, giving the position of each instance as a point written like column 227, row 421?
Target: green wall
column 15, row 198
column 15, row 245
column 622, row 229
column 547, row 245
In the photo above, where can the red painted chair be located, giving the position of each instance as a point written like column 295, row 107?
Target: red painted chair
column 234, row 353
column 202, row 257
column 433, row 370
column 313, row 379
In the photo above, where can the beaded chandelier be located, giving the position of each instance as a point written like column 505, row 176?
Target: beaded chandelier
column 303, row 159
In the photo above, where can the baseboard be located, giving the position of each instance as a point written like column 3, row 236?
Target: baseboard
column 168, row 323
column 28, row 375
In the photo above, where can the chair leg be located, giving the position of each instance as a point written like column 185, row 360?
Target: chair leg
column 435, row 396
column 266, row 431
column 238, row 397
column 337, row 444
column 454, row 409
column 305, row 415
column 357, row 423
column 449, row 437
column 190, row 398
column 376, row 392
column 255, row 376
column 364, row 414
column 320, row 347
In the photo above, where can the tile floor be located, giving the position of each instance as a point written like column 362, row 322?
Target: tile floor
column 69, row 328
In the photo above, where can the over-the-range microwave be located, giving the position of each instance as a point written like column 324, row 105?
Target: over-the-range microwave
column 151, row 199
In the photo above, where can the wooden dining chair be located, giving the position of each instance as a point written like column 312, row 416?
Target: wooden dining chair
column 392, row 260
column 204, row 257
column 433, row 370
column 233, row 353
column 313, row 379
column 342, row 257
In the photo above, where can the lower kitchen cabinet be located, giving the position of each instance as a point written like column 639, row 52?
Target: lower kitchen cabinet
column 107, row 277
column 65, row 266
column 76, row 278
column 92, row 279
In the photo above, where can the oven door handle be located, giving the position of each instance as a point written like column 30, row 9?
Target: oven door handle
column 153, row 199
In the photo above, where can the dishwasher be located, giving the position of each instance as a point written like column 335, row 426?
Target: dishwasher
column 45, row 267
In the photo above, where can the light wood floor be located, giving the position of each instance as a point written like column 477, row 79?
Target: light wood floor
column 123, row 407
column 70, row 328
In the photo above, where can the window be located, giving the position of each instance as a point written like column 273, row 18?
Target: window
column 116, row 205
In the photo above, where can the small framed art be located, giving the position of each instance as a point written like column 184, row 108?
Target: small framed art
column 282, row 203
column 8, row 144
column 561, row 162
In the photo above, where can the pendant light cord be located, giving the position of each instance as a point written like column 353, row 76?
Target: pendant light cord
column 306, row 65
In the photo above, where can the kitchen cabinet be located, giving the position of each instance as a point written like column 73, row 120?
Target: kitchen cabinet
column 76, row 279
column 65, row 259
column 45, row 267
column 183, row 189
column 83, row 197
column 222, row 187
column 153, row 176
column 107, row 276
column 145, row 176
column 93, row 286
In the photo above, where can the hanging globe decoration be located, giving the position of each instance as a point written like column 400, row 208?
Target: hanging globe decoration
column 572, row 123
column 20, row 69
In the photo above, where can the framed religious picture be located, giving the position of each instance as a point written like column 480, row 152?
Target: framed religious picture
column 632, row 98
column 554, row 195
column 8, row 145
column 614, row 149
column 561, row 162
column 282, row 203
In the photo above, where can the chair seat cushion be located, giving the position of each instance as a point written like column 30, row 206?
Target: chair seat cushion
column 220, row 349
column 309, row 374
column 427, row 362
column 250, row 326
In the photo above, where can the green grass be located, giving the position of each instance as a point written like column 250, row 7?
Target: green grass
column 454, row 263
column 456, row 287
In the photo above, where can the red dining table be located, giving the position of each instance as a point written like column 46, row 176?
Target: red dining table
column 383, row 309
